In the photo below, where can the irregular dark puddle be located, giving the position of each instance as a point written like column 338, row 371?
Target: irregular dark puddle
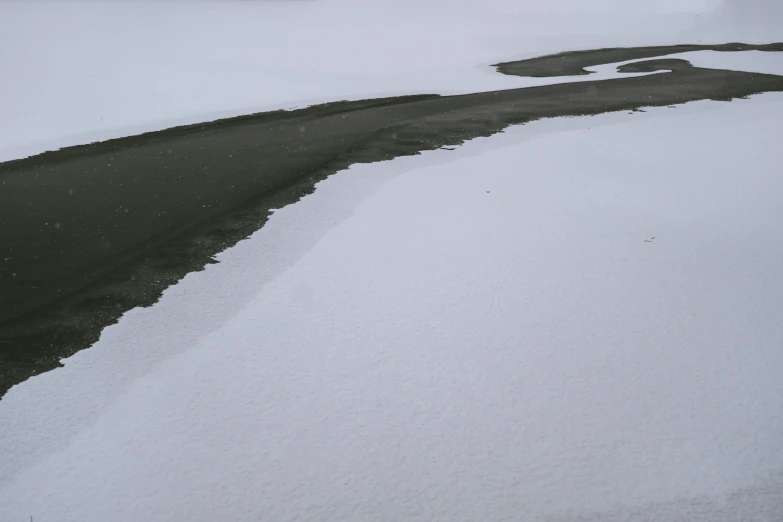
column 90, row 232
column 573, row 63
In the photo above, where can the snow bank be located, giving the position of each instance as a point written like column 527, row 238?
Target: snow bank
column 578, row 319
column 81, row 71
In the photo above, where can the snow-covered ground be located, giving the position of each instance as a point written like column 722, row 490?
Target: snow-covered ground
column 576, row 318
column 82, row 71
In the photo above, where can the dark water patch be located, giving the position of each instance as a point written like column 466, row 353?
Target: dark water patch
column 573, row 63
column 649, row 66
column 90, row 232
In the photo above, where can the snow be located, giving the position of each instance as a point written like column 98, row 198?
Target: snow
column 763, row 17
column 83, row 71
column 576, row 319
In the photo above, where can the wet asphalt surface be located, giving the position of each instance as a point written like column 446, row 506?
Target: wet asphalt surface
column 89, row 232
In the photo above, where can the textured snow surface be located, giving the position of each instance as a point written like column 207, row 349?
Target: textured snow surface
column 81, row 71
column 578, row 319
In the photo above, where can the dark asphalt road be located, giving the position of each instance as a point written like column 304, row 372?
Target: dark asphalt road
column 89, row 232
